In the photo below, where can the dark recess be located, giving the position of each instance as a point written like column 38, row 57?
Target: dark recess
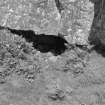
column 97, row 34
column 59, row 5
column 43, row 43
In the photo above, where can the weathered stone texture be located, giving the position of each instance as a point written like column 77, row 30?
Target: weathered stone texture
column 74, row 19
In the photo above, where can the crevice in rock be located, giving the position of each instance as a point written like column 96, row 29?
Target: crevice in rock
column 43, row 43
column 59, row 5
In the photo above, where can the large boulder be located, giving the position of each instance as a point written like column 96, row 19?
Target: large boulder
column 72, row 18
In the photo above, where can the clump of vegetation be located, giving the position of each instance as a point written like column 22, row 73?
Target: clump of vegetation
column 16, row 56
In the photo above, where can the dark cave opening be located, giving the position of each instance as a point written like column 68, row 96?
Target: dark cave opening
column 43, row 43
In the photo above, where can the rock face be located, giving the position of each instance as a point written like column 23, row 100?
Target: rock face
column 97, row 34
column 72, row 18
